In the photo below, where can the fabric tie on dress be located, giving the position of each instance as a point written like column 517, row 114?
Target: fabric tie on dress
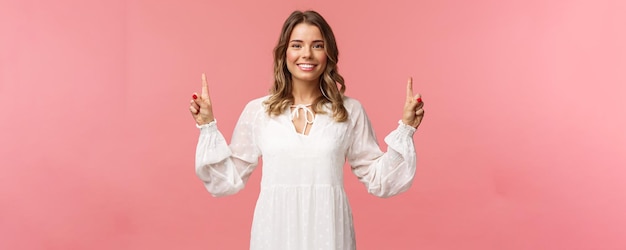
column 307, row 113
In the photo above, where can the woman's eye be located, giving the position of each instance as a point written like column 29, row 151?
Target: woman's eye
column 295, row 45
column 318, row 46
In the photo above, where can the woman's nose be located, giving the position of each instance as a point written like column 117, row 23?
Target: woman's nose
column 306, row 52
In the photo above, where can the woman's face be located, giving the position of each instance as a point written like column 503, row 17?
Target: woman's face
column 306, row 57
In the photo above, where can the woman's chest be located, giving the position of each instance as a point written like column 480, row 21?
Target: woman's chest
column 325, row 138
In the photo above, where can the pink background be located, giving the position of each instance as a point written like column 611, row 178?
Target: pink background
column 523, row 145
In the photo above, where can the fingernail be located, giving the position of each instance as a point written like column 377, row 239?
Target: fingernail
column 194, row 96
column 419, row 99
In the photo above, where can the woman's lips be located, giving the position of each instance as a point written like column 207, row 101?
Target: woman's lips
column 306, row 66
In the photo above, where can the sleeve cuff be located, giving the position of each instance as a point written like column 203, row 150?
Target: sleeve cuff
column 208, row 126
column 405, row 129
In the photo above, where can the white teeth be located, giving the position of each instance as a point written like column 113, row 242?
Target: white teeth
column 306, row 66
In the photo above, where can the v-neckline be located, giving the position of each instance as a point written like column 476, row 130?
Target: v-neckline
column 318, row 122
column 305, row 123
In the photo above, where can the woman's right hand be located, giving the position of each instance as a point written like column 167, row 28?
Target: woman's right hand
column 200, row 106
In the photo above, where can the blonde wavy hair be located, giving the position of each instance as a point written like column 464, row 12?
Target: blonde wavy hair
column 281, row 92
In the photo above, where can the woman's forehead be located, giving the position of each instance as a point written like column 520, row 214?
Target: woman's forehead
column 306, row 32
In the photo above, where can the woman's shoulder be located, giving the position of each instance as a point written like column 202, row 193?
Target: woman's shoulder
column 257, row 103
column 352, row 104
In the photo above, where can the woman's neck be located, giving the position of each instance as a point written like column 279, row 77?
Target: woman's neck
column 305, row 92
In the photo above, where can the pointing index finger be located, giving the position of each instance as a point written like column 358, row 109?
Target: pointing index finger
column 409, row 89
column 205, row 87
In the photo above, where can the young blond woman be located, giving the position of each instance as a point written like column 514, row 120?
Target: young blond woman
column 305, row 130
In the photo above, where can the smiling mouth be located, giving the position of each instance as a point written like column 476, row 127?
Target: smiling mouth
column 306, row 66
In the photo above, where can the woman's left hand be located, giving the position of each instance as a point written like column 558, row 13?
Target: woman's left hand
column 413, row 107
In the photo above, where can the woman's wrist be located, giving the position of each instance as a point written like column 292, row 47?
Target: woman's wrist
column 208, row 124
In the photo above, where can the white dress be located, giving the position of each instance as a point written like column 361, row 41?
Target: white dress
column 302, row 204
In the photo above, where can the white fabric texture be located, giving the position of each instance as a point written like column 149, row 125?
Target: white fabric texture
column 302, row 204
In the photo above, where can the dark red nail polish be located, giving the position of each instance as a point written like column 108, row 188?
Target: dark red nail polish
column 194, row 96
column 419, row 99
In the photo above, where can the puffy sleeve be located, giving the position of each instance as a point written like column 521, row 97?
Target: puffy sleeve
column 225, row 169
column 384, row 174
